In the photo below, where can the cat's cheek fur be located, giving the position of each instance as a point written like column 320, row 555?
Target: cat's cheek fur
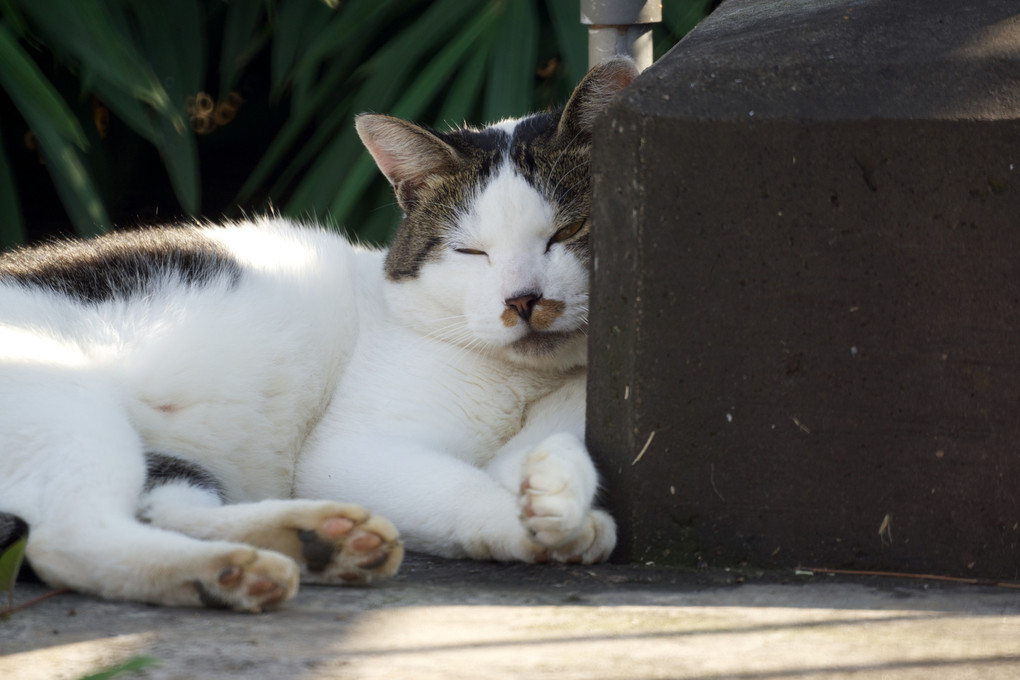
column 568, row 282
column 432, row 304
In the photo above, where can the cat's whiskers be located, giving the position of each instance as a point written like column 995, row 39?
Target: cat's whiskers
column 571, row 191
column 566, row 175
column 459, row 335
column 464, row 338
column 454, row 336
column 443, row 333
column 452, row 316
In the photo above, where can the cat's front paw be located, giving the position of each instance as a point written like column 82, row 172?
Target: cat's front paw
column 557, row 487
column 593, row 543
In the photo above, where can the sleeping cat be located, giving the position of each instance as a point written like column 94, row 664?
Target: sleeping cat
column 172, row 399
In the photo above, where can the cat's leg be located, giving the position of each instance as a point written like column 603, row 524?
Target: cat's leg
column 442, row 505
column 331, row 542
column 532, row 502
column 115, row 557
column 72, row 467
column 555, row 480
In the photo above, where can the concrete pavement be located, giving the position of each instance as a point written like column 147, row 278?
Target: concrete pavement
column 455, row 619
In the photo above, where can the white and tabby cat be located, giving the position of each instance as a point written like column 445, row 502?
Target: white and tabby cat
column 163, row 392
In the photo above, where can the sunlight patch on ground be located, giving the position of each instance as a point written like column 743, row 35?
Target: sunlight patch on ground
column 674, row 642
column 74, row 660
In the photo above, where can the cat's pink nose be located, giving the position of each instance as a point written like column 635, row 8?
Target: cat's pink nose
column 523, row 304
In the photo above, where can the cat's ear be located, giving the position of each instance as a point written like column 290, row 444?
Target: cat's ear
column 593, row 94
column 406, row 153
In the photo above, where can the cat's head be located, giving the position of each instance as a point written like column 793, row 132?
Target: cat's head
column 492, row 252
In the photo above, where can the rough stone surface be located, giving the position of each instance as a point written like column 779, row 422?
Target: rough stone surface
column 453, row 620
column 839, row 60
column 808, row 292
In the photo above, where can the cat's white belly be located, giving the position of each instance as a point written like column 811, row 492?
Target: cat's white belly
column 203, row 389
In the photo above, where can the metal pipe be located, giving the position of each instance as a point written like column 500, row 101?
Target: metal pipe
column 620, row 27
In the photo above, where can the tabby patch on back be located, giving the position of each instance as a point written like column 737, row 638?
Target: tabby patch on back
column 120, row 264
column 201, row 415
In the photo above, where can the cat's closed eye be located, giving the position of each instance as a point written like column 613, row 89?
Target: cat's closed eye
column 470, row 251
column 566, row 232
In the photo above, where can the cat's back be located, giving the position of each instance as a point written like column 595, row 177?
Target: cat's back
column 125, row 264
column 134, row 271
column 119, row 265
column 220, row 340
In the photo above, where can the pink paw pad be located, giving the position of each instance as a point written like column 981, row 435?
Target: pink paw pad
column 336, row 527
column 366, row 542
column 261, row 586
column 230, row 576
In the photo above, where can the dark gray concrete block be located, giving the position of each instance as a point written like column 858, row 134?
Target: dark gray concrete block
column 805, row 334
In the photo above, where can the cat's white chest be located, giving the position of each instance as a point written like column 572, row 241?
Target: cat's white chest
column 487, row 404
column 432, row 392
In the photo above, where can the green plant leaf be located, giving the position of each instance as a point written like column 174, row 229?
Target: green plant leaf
column 10, row 565
column 12, row 551
column 180, row 156
column 96, row 33
column 379, row 214
column 387, row 71
column 179, row 69
column 57, row 132
column 461, row 100
column 13, row 17
column 177, row 147
column 386, row 77
column 12, row 228
column 357, row 17
column 29, row 89
column 132, row 112
column 512, row 63
column 75, row 187
column 348, row 32
column 132, row 665
column 244, row 33
column 571, row 37
column 429, row 86
column 159, row 26
column 295, row 24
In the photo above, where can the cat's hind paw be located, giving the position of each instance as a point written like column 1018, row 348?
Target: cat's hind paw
column 340, row 550
column 336, row 543
column 248, row 580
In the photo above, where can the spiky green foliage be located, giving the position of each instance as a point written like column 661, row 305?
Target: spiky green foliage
column 440, row 62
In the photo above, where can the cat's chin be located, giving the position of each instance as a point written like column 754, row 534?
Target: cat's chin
column 562, row 350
